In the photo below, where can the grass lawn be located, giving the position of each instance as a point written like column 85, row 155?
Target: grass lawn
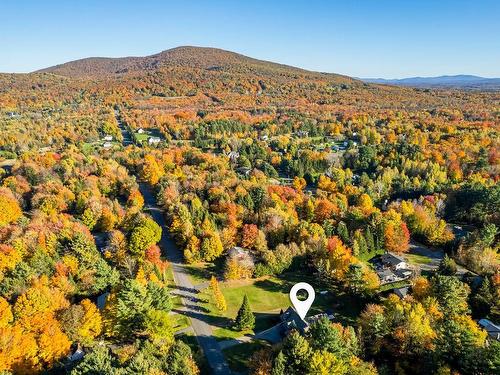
column 200, row 273
column 365, row 257
column 238, row 356
column 397, row 284
column 417, row 259
column 267, row 297
column 142, row 137
column 90, row 147
column 179, row 322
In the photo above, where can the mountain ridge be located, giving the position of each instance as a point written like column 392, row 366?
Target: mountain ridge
column 449, row 81
column 207, row 58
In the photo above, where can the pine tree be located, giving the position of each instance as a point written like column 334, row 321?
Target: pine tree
column 370, row 241
column 245, row 318
column 279, row 365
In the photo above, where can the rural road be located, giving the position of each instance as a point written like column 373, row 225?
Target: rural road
column 185, row 288
column 183, row 285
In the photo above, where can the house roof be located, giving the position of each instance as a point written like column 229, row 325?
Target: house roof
column 384, row 273
column 488, row 325
column 401, row 292
column 392, row 259
column 292, row 320
column 492, row 329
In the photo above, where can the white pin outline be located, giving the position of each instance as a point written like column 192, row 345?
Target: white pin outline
column 302, row 307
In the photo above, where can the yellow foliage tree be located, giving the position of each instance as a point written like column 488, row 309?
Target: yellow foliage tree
column 9, row 207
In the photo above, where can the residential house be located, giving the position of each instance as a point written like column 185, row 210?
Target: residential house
column 302, row 133
column 107, row 145
column 391, row 267
column 108, row 138
column 393, row 261
column 234, row 156
column 401, row 292
column 386, row 276
column 140, row 131
column 154, row 140
column 290, row 319
column 242, row 256
column 244, row 171
column 492, row 329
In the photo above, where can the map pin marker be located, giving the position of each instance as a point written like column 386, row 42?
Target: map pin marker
column 302, row 307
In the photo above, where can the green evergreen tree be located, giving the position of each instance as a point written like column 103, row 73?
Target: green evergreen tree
column 326, row 337
column 245, row 318
column 447, row 266
column 343, row 232
column 97, row 362
column 297, row 352
column 370, row 241
column 279, row 364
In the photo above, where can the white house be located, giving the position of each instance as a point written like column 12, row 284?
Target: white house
column 154, row 140
column 108, row 138
column 140, row 131
column 394, row 261
column 107, row 145
column 234, row 156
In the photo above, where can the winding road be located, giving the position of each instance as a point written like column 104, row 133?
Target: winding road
column 183, row 286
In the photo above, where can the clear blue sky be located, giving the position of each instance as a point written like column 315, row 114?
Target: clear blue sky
column 364, row 38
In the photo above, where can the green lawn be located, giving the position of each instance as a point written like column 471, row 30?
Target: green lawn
column 90, row 147
column 417, row 259
column 238, row 356
column 397, row 284
column 201, row 273
column 268, row 296
column 365, row 257
column 179, row 322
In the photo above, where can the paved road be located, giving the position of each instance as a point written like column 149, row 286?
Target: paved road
column 435, row 255
column 184, row 288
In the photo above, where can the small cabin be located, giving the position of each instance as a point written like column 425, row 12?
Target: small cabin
column 108, row 138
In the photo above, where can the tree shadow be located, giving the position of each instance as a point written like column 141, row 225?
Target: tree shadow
column 203, row 315
column 184, row 289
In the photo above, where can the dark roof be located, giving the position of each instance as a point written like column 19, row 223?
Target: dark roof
column 292, row 320
column 392, row 259
column 384, row 273
column 401, row 292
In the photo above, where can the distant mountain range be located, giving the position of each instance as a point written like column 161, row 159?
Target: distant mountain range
column 461, row 81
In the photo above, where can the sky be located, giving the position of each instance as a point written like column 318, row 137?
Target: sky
column 359, row 38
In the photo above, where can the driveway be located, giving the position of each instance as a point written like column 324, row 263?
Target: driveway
column 435, row 256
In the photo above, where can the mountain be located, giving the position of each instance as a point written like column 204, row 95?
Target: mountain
column 211, row 59
column 457, row 81
column 199, row 77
